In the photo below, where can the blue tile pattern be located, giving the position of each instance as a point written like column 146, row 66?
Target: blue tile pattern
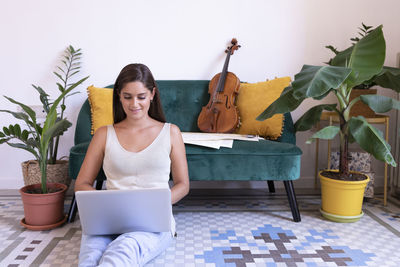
column 278, row 251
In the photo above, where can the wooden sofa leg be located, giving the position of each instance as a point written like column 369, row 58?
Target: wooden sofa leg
column 271, row 186
column 292, row 200
column 72, row 210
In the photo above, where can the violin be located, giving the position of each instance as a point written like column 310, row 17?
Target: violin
column 220, row 115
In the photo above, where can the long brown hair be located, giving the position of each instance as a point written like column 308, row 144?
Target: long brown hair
column 137, row 73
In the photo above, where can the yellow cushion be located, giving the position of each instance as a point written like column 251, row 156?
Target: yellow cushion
column 100, row 100
column 253, row 99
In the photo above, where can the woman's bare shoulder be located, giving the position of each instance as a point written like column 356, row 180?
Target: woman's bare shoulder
column 100, row 134
column 175, row 129
column 176, row 135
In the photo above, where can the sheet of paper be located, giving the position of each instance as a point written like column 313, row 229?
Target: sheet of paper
column 218, row 136
column 215, row 140
column 212, row 143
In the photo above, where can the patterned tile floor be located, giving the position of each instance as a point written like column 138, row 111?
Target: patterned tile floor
column 229, row 231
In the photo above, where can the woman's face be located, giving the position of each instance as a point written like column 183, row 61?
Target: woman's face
column 135, row 99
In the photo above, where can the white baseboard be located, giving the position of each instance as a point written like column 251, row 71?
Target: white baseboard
column 11, row 183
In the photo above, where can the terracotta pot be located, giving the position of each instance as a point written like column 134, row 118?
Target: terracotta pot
column 56, row 173
column 43, row 209
column 360, row 108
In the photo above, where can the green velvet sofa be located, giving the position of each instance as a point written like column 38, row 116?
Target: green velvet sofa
column 182, row 101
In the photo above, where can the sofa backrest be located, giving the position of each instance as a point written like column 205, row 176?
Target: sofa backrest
column 182, row 101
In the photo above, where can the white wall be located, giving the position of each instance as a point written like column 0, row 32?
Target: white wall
column 177, row 39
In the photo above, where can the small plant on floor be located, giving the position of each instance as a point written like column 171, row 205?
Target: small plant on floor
column 350, row 67
column 43, row 140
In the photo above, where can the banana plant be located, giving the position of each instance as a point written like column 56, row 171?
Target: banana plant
column 349, row 68
column 37, row 139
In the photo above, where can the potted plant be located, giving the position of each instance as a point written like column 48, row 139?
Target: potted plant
column 44, row 202
column 359, row 63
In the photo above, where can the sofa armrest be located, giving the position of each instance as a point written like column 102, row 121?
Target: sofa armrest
column 76, row 156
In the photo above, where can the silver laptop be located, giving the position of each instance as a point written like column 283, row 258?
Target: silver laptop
column 105, row 212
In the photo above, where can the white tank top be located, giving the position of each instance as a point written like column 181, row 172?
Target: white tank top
column 148, row 168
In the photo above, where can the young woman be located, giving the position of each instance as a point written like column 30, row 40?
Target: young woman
column 138, row 151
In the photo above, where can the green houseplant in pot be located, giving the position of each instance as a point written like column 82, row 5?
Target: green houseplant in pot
column 356, row 64
column 43, row 202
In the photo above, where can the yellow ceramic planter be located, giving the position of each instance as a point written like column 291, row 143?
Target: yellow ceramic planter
column 342, row 200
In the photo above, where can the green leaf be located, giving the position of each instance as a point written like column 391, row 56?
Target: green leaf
column 285, row 103
column 40, row 90
column 56, row 129
column 77, row 83
column 27, row 109
column 312, row 116
column 315, row 81
column 32, row 142
column 365, row 58
column 11, row 129
column 370, row 139
column 63, row 71
column 2, row 134
column 368, row 55
column 6, row 131
column 326, row 133
column 17, row 130
column 380, row 103
column 71, row 94
column 73, row 73
column 59, row 76
column 342, row 58
column 25, row 147
column 389, row 78
column 20, row 116
column 24, row 135
column 44, row 97
column 4, row 140
column 60, row 87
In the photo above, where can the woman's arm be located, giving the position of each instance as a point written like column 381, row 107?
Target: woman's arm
column 92, row 162
column 179, row 167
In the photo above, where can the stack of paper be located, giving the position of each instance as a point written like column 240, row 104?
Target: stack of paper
column 216, row 140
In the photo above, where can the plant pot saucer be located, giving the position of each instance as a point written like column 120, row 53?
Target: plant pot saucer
column 341, row 218
column 43, row 227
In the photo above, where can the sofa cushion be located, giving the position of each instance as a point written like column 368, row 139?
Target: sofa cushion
column 263, row 160
column 262, row 147
column 253, row 99
column 100, row 100
column 243, row 167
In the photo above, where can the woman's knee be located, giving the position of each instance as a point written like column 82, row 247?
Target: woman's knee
column 136, row 248
column 92, row 248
